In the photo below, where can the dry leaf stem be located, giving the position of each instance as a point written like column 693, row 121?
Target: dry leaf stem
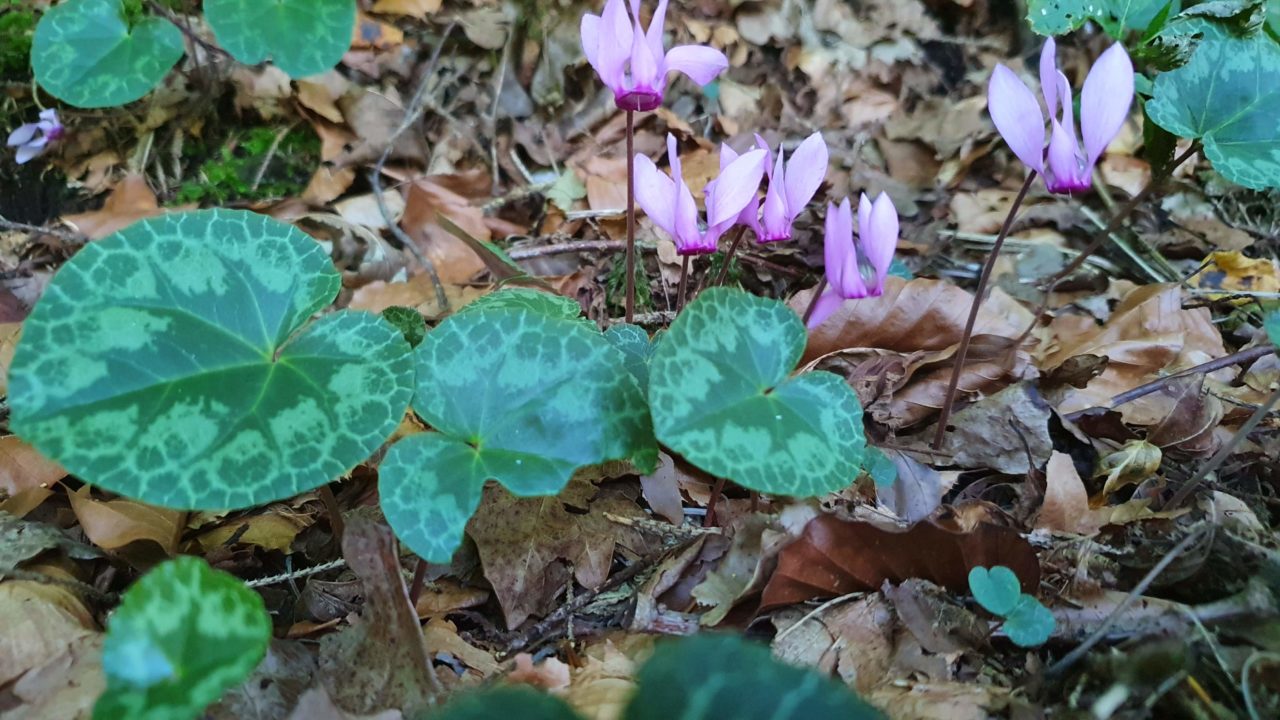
column 983, row 279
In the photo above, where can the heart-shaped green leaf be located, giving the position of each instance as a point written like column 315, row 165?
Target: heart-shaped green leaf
column 1029, row 623
column 301, row 37
column 1059, row 17
column 634, row 344
column 721, row 397
column 519, row 396
column 1226, row 96
column 996, row 589
column 517, row 701
column 1273, row 327
column 182, row 635
column 533, row 300
column 85, row 54
column 722, row 676
column 173, row 362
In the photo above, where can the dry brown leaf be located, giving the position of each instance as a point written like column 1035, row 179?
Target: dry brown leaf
column 1232, row 272
column 950, row 700
column 41, row 621
column 373, row 34
column 854, row 639
column 414, row 8
column 836, row 557
column 1007, row 432
column 1066, row 502
column 327, row 184
column 9, row 334
column 418, row 292
column 130, row 201
column 602, row 685
column 549, row 674
column 428, row 199
column 23, row 468
column 442, row 637
column 444, row 595
column 66, row 687
column 315, row 704
column 662, row 490
column 271, row 529
column 114, row 524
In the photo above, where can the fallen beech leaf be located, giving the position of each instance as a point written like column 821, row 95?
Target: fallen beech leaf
column 428, row 200
column 936, row 621
column 130, row 201
column 1066, row 502
column 22, row 467
column 854, row 639
column 1130, row 465
column 602, row 685
column 113, row 524
column 273, row 528
column 662, row 490
column 418, row 292
column 442, row 637
column 41, row 621
column 414, row 8
column 915, row 493
column 382, row 661
column 9, row 334
column 1007, row 432
column 836, row 557
column 65, row 687
column 1232, row 272
column 275, row 686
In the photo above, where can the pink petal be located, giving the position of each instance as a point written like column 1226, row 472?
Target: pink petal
column 1105, row 100
column 768, row 163
column 805, row 173
column 613, row 45
column 828, row 302
column 839, row 254
column 673, row 158
column 864, row 215
column 727, row 155
column 589, row 30
column 687, row 236
column 735, row 188
column 1068, row 104
column 28, row 151
column 882, row 239
column 1016, row 114
column 1065, row 170
column 23, row 134
column 654, row 34
column 775, row 220
column 656, row 194
column 701, row 63
column 1049, row 75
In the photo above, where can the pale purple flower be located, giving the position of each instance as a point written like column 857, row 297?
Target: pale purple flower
column 1104, row 105
column 877, row 238
column 632, row 62
column 32, row 139
column 791, row 186
column 670, row 204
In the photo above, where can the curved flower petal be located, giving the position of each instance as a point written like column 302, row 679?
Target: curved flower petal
column 805, row 173
column 26, row 152
column 827, row 303
column 735, row 188
column 1016, row 114
column 775, row 219
column 1049, row 75
column 687, row 236
column 613, row 44
column 881, row 238
column 656, row 194
column 1105, row 100
column 701, row 63
column 727, row 155
column 653, row 36
column 1066, row 171
column 1067, row 118
column 840, row 257
column 22, row 134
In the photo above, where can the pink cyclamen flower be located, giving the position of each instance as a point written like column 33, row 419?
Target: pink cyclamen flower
column 670, row 204
column 1104, row 105
column 791, row 186
column 631, row 60
column 32, row 139
column 877, row 236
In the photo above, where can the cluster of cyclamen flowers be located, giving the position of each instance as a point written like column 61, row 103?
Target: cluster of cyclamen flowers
column 634, row 64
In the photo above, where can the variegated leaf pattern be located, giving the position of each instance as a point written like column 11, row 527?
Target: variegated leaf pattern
column 301, row 37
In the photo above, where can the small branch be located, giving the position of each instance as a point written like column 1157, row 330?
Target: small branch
column 186, row 30
column 1080, row 651
column 565, row 248
column 983, row 279
column 305, row 572
column 66, row 235
column 1239, row 358
column 271, row 153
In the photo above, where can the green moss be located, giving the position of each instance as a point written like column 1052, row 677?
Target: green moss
column 227, row 174
column 17, row 25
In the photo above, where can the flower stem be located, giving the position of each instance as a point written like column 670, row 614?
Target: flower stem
column 631, row 217
column 684, row 278
column 983, row 279
column 813, row 301
column 733, row 247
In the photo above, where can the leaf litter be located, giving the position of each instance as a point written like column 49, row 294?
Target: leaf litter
column 1052, row 471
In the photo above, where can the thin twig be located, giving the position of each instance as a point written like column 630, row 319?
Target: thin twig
column 271, row 153
column 983, row 279
column 416, row 107
column 565, row 248
column 1239, row 358
column 1098, row 634
column 728, row 257
column 813, row 301
column 66, row 235
column 305, row 572
column 814, row 613
column 186, row 30
column 1223, row 453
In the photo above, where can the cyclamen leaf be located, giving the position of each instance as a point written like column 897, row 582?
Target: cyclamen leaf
column 1273, row 327
column 517, row 701
column 182, row 635
column 634, row 344
column 519, row 396
column 997, row 589
column 536, row 301
column 1059, row 17
column 1226, row 96
column 173, row 362
column 85, row 54
column 1029, row 623
column 721, row 397
column 722, row 676
column 301, row 37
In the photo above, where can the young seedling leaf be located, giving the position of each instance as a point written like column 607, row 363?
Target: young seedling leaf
column 722, row 676
column 634, row 344
column 85, row 53
column 517, row 701
column 174, row 362
column 1030, row 623
column 519, row 396
column 182, row 635
column 721, row 397
column 1225, row 96
column 408, row 321
column 301, row 37
column 996, row 589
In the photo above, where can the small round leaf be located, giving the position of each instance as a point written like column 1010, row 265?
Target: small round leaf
column 997, row 589
column 721, row 397
column 1030, row 623
column 519, row 396
column 723, row 676
column 301, row 37
column 85, row 54
column 173, row 362
column 182, row 635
